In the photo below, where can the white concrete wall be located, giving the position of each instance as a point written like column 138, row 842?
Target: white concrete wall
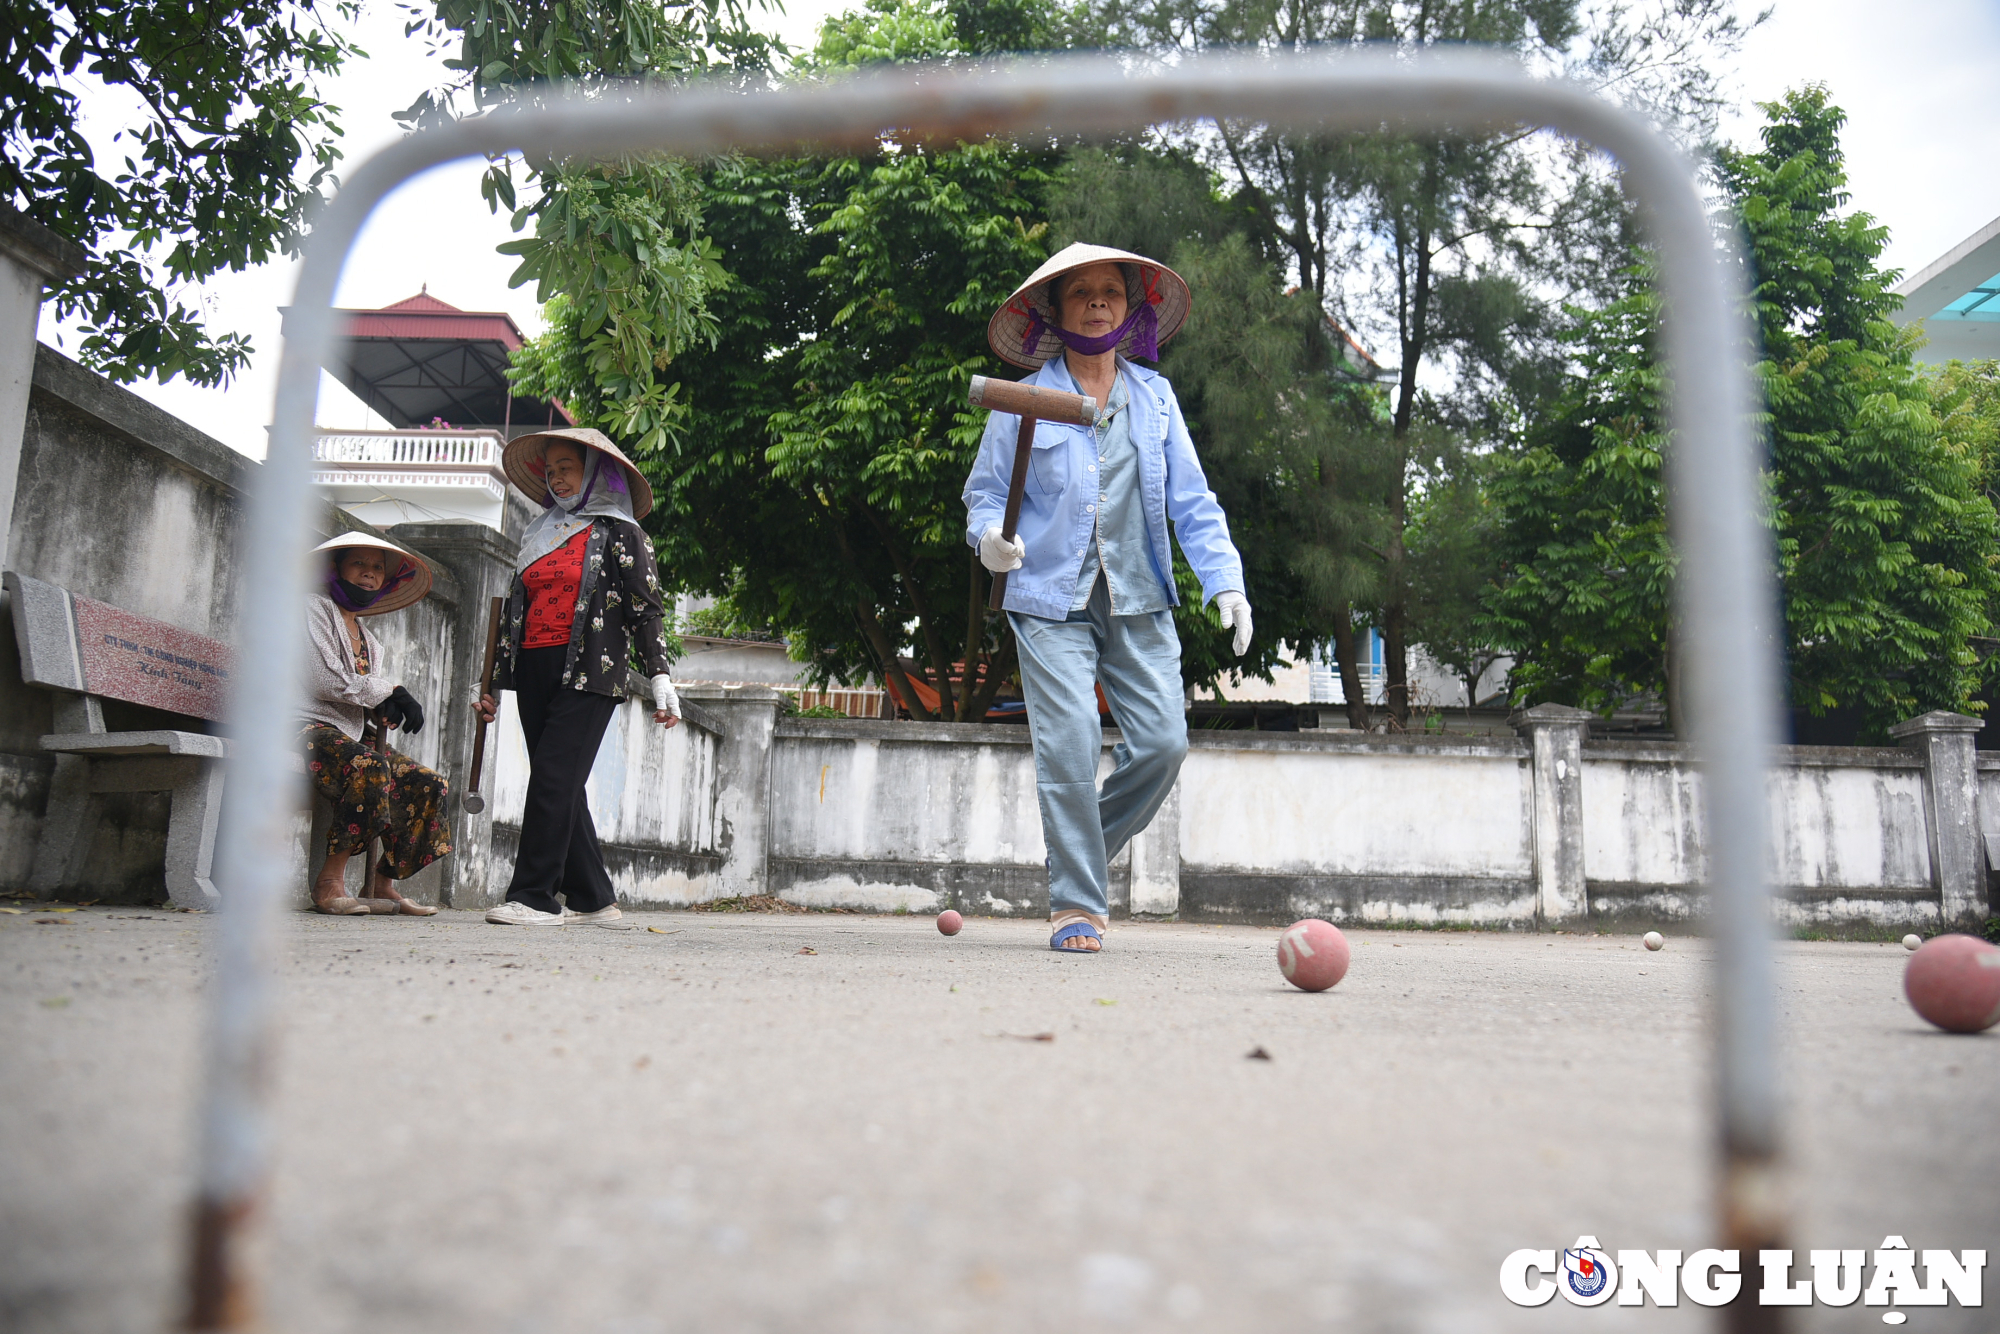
column 1832, row 826
column 921, row 816
column 849, row 804
column 1848, row 839
column 652, row 791
column 1355, row 809
column 1268, row 826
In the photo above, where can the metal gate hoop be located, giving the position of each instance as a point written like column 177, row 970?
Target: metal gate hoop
column 1726, row 589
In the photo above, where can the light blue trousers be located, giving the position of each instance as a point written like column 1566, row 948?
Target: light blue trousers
column 1138, row 661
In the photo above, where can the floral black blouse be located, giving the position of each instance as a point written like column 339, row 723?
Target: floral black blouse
column 618, row 607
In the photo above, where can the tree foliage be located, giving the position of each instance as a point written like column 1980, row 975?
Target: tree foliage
column 815, row 482
column 225, row 154
column 1885, row 546
column 1885, row 537
column 614, row 248
column 1454, row 250
column 1585, row 604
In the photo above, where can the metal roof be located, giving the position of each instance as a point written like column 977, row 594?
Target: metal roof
column 422, row 360
column 1957, row 299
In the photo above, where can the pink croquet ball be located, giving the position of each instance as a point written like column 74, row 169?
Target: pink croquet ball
column 949, row 922
column 1954, row 981
column 1312, row 954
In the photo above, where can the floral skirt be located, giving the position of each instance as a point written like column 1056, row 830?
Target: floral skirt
column 379, row 795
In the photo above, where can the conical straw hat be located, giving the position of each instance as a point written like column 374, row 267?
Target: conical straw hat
column 522, row 460
column 397, row 596
column 1007, row 331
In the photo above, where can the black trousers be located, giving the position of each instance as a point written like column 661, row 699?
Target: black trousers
column 559, row 852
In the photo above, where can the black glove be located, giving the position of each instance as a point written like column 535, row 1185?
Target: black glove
column 402, row 710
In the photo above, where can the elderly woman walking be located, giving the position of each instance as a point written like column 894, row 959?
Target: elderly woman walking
column 1091, row 592
column 586, row 595
column 375, row 793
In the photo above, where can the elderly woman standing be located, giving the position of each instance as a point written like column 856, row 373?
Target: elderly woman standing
column 375, row 794
column 586, row 594
column 1091, row 589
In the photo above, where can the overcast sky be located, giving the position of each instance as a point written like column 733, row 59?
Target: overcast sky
column 1922, row 139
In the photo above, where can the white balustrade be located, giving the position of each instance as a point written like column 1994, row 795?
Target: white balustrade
column 474, row 449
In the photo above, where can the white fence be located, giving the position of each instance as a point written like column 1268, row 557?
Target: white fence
column 459, row 449
column 1541, row 831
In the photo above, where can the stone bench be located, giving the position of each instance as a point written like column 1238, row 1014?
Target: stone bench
column 86, row 652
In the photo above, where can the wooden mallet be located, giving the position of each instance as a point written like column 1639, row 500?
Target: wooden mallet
column 473, row 801
column 1030, row 403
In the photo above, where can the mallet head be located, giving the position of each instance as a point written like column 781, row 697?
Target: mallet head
column 474, row 803
column 1031, row 400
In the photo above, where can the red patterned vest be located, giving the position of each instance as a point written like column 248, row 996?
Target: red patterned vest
column 552, row 583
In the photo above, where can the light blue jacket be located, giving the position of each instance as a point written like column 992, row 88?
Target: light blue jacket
column 1058, row 508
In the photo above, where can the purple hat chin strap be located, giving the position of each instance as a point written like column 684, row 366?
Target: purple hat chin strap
column 1143, row 325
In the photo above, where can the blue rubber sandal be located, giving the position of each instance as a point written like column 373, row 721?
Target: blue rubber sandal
column 1071, row 932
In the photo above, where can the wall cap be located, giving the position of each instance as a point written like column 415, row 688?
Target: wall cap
column 28, row 242
column 718, row 694
column 122, row 412
column 889, row 729
column 1550, row 715
column 1937, row 721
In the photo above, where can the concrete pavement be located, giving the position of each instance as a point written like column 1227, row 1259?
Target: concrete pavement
column 691, row 1125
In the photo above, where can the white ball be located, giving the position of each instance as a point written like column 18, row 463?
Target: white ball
column 1913, row 942
column 1654, row 940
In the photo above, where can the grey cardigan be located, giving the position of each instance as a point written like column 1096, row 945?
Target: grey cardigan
column 337, row 694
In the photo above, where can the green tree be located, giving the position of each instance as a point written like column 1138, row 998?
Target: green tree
column 1450, row 547
column 227, row 151
column 815, row 475
column 1885, row 546
column 1886, row 541
column 829, row 437
column 1585, row 602
column 1455, row 250
column 615, row 249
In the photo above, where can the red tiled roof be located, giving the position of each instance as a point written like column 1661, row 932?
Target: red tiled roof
column 424, row 316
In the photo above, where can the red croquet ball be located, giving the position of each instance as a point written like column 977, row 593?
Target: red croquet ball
column 1954, row 981
column 1312, row 954
column 949, row 922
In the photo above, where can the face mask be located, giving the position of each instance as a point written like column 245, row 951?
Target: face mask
column 353, row 596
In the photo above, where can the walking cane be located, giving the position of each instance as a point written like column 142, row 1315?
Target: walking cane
column 376, row 737
column 1030, row 402
column 474, row 803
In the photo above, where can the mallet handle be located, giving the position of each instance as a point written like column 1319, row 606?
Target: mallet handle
column 1024, row 449
column 498, row 609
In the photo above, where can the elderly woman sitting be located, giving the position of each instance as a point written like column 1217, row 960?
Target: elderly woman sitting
column 375, row 793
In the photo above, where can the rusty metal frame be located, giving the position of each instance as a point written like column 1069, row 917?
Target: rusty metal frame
column 1726, row 589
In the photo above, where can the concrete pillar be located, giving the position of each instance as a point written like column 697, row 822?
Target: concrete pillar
column 31, row 258
column 1555, row 736
column 482, row 561
column 1951, row 811
column 749, row 718
column 1156, row 862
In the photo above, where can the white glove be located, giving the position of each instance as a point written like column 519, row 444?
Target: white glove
column 1234, row 611
column 998, row 554
column 664, row 699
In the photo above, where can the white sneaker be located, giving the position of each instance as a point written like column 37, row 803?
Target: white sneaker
column 520, row 914
column 610, row 914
